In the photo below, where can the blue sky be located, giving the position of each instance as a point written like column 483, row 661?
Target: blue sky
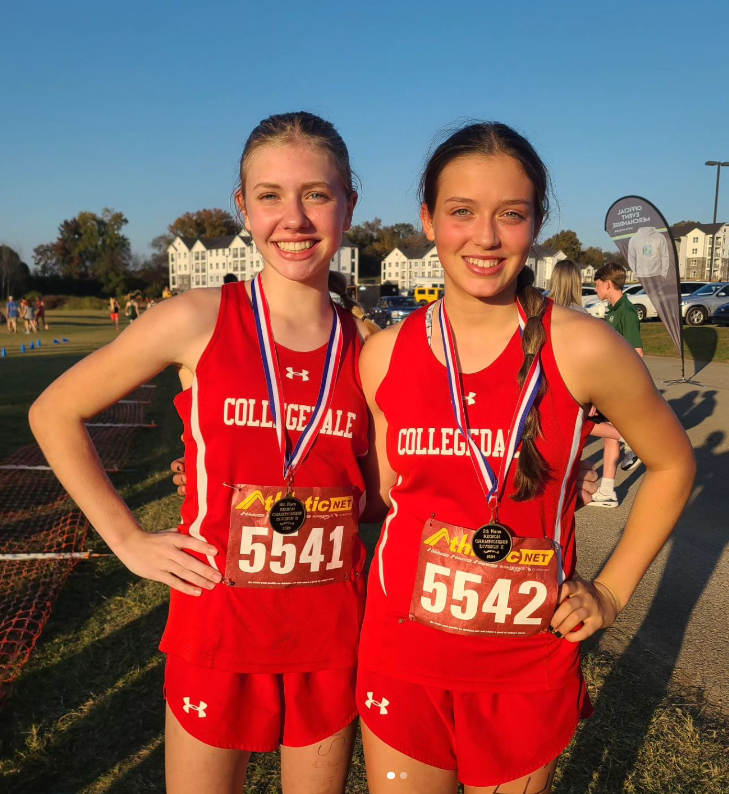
column 144, row 106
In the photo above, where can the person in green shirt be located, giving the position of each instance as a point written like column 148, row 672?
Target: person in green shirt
column 609, row 283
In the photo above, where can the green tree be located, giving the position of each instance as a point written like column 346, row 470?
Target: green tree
column 566, row 241
column 14, row 273
column 89, row 247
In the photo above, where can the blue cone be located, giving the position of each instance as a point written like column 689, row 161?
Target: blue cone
column 64, row 339
column 22, row 348
column 56, row 342
column 38, row 343
column 32, row 346
column 3, row 353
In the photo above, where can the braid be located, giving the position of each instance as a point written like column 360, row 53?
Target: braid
column 533, row 471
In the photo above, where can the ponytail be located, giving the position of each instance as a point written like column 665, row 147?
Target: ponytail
column 533, row 471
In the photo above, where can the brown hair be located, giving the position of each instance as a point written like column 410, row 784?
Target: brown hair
column 302, row 127
column 566, row 284
column 612, row 272
column 489, row 139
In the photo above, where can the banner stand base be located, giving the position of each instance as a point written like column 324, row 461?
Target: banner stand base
column 683, row 380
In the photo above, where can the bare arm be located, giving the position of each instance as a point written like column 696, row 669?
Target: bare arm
column 177, row 334
column 379, row 476
column 621, row 387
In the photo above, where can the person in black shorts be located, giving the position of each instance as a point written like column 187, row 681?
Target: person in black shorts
column 622, row 316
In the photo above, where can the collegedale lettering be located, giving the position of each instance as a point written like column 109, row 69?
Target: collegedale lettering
column 449, row 441
column 248, row 412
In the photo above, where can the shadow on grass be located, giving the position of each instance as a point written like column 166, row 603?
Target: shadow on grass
column 607, row 751
column 91, row 744
column 702, row 342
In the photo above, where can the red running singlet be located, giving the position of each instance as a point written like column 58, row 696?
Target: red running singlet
column 435, row 476
column 230, row 438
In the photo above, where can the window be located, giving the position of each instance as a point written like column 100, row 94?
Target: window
column 172, row 257
column 695, row 240
column 197, row 255
column 197, row 281
column 694, row 251
column 197, row 267
column 235, row 253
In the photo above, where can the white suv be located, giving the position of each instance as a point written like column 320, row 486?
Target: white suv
column 598, row 308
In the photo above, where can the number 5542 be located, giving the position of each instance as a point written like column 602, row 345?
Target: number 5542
column 463, row 592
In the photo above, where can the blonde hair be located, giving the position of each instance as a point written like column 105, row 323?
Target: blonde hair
column 566, row 286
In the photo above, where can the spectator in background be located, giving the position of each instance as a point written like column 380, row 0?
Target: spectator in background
column 12, row 311
column 131, row 310
column 622, row 316
column 566, row 285
column 40, row 315
column 166, row 293
column 114, row 312
column 28, row 312
column 230, row 278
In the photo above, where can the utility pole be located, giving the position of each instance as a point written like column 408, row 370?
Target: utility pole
column 719, row 165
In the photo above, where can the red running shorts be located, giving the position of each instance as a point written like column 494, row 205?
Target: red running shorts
column 490, row 738
column 257, row 712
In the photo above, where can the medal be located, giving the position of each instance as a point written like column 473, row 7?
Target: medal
column 492, row 542
column 288, row 515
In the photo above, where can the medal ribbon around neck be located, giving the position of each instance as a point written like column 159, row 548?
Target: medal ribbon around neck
column 261, row 314
column 491, row 485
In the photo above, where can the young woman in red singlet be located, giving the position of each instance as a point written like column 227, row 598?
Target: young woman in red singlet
column 265, row 568
column 470, row 647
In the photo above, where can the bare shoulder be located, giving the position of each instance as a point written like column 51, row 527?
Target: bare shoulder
column 587, row 349
column 197, row 308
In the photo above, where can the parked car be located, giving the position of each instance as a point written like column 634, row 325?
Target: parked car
column 426, row 295
column 721, row 315
column 644, row 305
column 598, row 308
column 587, row 293
column 700, row 307
column 392, row 309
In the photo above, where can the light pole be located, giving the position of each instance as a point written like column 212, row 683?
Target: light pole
column 719, row 166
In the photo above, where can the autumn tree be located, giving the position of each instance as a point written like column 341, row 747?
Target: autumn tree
column 566, row 241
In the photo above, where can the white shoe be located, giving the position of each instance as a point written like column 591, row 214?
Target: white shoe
column 630, row 461
column 599, row 499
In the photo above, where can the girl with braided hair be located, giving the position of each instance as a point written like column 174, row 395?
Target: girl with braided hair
column 470, row 648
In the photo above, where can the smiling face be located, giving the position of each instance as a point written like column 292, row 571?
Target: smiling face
column 296, row 208
column 483, row 223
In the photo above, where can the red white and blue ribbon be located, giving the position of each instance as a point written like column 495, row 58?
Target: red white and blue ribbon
column 491, row 485
column 292, row 460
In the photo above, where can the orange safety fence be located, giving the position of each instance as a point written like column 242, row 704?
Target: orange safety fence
column 30, row 586
column 40, row 540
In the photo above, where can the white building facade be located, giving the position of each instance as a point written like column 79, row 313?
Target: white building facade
column 205, row 261
column 703, row 251
column 412, row 267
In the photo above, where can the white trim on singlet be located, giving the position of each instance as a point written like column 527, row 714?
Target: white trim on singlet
column 384, row 534
column 558, row 521
column 202, row 475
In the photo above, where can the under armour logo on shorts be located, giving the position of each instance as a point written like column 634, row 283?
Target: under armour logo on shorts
column 304, row 374
column 200, row 709
column 370, row 702
column 471, row 398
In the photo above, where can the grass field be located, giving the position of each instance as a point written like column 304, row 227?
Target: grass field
column 86, row 716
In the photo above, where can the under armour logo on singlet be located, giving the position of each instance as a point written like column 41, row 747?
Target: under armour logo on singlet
column 200, row 709
column 470, row 397
column 370, row 702
column 304, row 374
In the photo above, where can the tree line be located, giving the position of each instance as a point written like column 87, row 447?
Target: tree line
column 91, row 255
